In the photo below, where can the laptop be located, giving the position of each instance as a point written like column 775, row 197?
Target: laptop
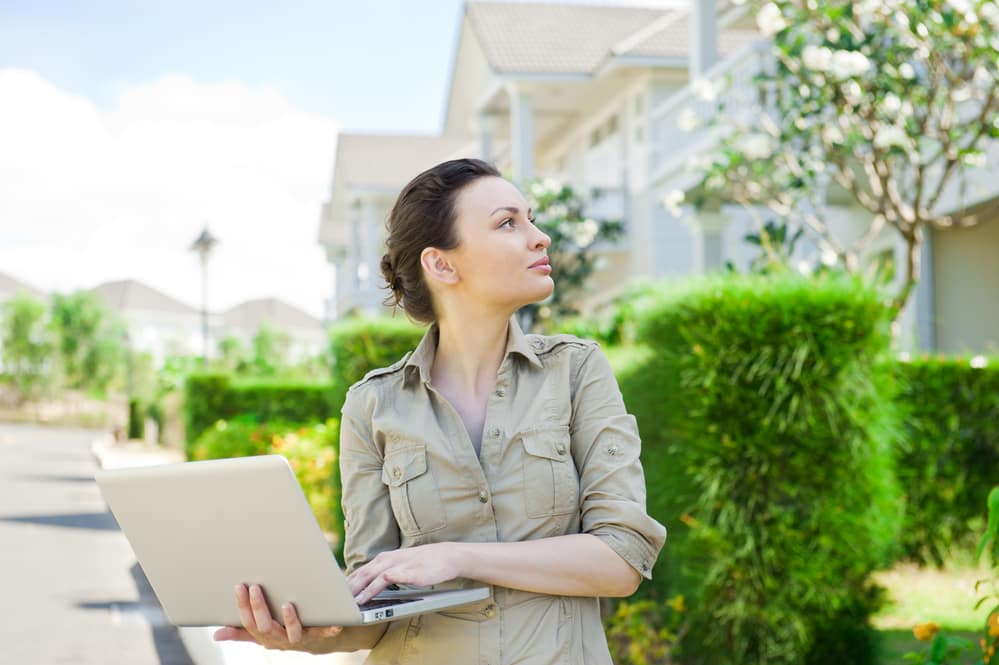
column 200, row 528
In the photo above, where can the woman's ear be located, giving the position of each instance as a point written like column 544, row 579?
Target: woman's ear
column 437, row 266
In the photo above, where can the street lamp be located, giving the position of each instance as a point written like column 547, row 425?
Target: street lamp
column 203, row 246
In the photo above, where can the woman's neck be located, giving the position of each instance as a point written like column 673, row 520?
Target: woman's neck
column 469, row 351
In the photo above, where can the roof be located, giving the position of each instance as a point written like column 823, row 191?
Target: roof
column 524, row 38
column 251, row 314
column 388, row 161
column 11, row 286
column 129, row 294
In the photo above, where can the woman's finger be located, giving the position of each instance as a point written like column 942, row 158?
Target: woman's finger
column 261, row 613
column 292, row 624
column 233, row 633
column 245, row 613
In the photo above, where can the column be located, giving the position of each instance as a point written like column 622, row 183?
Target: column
column 371, row 256
column 485, row 129
column 521, row 135
column 703, row 36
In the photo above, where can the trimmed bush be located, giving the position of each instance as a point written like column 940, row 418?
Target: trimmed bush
column 310, row 450
column 950, row 458
column 768, row 437
column 360, row 345
column 212, row 397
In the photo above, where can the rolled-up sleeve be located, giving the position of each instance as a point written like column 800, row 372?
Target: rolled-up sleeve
column 369, row 523
column 606, row 447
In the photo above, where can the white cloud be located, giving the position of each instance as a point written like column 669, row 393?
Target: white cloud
column 88, row 195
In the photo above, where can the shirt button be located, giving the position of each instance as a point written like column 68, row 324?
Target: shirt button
column 397, row 473
column 494, row 432
column 483, row 496
column 490, row 611
column 500, row 392
column 537, row 343
column 560, row 449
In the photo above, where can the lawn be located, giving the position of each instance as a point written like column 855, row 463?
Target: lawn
column 946, row 596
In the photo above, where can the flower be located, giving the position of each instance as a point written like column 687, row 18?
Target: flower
column 926, row 631
column 585, row 233
column 704, row 89
column 891, row 135
column 891, row 104
column 673, row 200
column 832, row 135
column 770, row 20
column 906, row 71
column 979, row 362
column 846, row 64
column 818, row 58
column 756, row 146
column 688, row 120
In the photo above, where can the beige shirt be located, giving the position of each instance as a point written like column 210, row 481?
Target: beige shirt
column 559, row 455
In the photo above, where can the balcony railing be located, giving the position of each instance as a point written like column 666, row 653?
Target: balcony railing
column 672, row 144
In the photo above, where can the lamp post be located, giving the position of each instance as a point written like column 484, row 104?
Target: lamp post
column 203, row 245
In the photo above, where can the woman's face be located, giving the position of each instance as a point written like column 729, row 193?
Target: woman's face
column 499, row 247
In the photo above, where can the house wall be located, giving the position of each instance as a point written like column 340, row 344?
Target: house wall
column 966, row 288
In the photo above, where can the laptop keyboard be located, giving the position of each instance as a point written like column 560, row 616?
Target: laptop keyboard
column 375, row 604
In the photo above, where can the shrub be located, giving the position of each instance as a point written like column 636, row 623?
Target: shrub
column 210, row 397
column 360, row 345
column 950, row 456
column 768, row 433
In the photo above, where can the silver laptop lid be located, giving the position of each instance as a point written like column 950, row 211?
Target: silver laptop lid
column 200, row 528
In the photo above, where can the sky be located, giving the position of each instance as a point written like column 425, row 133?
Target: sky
column 128, row 126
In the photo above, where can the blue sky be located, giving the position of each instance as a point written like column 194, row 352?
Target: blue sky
column 128, row 125
column 380, row 65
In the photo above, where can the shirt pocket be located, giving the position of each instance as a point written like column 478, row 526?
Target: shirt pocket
column 416, row 499
column 551, row 486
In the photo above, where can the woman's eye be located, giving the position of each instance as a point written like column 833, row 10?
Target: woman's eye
column 508, row 220
column 532, row 220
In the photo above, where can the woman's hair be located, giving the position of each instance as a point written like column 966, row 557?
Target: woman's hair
column 424, row 216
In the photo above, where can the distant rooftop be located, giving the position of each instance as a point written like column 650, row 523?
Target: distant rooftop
column 11, row 286
column 252, row 313
column 519, row 37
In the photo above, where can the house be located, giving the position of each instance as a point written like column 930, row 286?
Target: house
column 307, row 337
column 593, row 95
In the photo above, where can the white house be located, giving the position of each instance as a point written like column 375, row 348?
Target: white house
column 593, row 95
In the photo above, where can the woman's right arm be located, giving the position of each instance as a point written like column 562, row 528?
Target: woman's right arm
column 369, row 528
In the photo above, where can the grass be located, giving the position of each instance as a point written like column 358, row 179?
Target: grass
column 946, row 596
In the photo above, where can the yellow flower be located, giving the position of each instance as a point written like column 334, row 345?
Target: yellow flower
column 926, row 631
column 993, row 620
column 677, row 603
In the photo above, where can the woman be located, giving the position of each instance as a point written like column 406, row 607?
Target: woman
column 484, row 456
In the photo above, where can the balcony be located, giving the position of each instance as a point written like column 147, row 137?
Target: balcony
column 672, row 143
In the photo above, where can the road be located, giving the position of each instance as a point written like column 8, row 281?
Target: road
column 72, row 591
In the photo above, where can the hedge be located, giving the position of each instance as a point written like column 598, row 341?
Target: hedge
column 949, row 460
column 768, row 437
column 360, row 345
column 209, row 397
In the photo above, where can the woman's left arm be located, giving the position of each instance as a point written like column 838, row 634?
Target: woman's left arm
column 573, row 565
column 619, row 542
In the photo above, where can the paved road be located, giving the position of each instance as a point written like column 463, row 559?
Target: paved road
column 72, row 592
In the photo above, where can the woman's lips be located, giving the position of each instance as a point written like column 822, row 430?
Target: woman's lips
column 542, row 264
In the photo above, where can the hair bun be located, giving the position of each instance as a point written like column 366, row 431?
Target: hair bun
column 388, row 272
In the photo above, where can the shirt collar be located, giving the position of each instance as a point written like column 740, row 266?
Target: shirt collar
column 422, row 359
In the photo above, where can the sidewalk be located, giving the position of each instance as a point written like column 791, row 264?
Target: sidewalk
column 202, row 649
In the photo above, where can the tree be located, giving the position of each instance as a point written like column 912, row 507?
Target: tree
column 890, row 100
column 27, row 346
column 561, row 213
column 87, row 340
column 270, row 350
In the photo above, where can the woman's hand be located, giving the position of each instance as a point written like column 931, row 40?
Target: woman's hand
column 419, row 566
column 260, row 627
